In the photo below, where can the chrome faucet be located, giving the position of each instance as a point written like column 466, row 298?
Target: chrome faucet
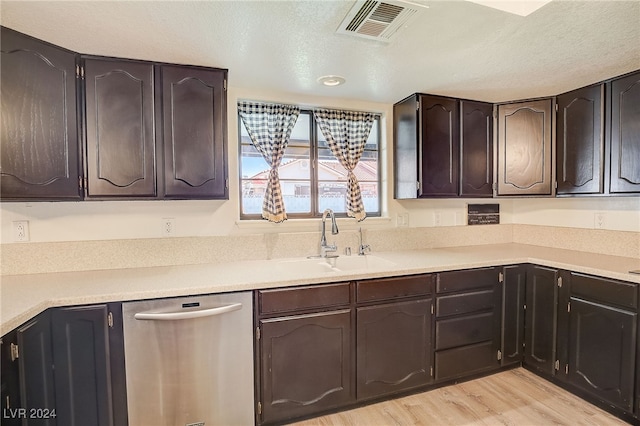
column 362, row 248
column 324, row 248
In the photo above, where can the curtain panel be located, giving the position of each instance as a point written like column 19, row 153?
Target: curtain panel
column 269, row 127
column 346, row 133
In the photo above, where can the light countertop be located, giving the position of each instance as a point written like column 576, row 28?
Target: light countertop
column 24, row 296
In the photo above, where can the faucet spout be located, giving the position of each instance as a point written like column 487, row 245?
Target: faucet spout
column 324, row 248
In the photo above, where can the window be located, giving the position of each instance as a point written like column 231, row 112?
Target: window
column 311, row 178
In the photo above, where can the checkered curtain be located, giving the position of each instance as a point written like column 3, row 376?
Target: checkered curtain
column 347, row 133
column 269, row 126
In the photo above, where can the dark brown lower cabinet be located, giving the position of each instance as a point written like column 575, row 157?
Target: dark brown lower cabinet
column 70, row 369
column 541, row 319
column 9, row 379
column 513, row 299
column 36, row 370
column 84, row 363
column 467, row 324
column 601, row 338
column 306, row 364
column 393, row 347
column 602, row 346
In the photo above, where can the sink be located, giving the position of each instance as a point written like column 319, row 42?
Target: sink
column 304, row 265
column 333, row 264
column 352, row 263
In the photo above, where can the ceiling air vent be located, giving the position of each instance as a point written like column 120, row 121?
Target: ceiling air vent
column 378, row 20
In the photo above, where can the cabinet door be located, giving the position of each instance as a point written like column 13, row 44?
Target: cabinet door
column 82, row 374
column 580, row 141
column 10, row 379
column 476, row 149
column 194, row 116
column 513, row 291
column 37, row 389
column 306, row 364
column 393, row 347
column 405, row 148
column 40, row 152
column 625, row 134
column 602, row 351
column 120, row 144
column 440, row 145
column 541, row 319
column 524, row 148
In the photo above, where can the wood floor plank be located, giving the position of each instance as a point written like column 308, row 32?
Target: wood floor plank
column 510, row 398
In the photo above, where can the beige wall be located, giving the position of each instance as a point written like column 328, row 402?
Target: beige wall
column 114, row 220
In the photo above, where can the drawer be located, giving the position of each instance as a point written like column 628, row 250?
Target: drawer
column 465, row 303
column 604, row 290
column 459, row 362
column 391, row 288
column 469, row 279
column 465, row 331
column 304, row 298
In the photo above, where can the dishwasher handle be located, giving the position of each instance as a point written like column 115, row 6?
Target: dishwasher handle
column 183, row 315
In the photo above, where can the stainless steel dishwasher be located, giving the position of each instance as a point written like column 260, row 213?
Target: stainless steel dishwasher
column 189, row 360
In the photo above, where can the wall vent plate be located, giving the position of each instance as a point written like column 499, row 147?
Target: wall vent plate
column 379, row 20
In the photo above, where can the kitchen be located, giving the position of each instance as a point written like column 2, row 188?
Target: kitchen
column 109, row 235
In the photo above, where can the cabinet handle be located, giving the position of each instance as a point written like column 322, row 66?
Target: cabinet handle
column 181, row 315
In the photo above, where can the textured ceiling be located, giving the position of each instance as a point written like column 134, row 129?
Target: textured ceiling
column 453, row 48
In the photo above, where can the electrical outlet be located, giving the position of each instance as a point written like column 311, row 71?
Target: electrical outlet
column 168, row 226
column 437, row 219
column 402, row 219
column 599, row 220
column 21, row 230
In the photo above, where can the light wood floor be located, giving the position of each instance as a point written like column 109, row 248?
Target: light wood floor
column 515, row 397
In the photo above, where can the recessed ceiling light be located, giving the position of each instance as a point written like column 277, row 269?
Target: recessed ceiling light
column 331, row 80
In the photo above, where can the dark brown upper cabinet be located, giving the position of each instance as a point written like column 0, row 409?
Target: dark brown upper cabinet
column 524, row 148
column 40, row 151
column 431, row 136
column 580, row 141
column 476, row 149
column 120, row 136
column 194, row 117
column 155, row 130
column 440, row 143
column 625, row 134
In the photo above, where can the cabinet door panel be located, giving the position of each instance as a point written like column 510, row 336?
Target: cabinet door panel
column 306, row 364
column 476, row 149
column 468, row 279
column 82, row 371
column 541, row 319
column 515, row 278
column 625, row 134
column 440, row 136
column 464, row 330
column 40, row 152
column 194, row 111
column 465, row 360
column 37, row 389
column 465, row 303
column 602, row 351
column 120, row 128
column 393, row 347
column 524, row 144
column 580, row 141
column 405, row 149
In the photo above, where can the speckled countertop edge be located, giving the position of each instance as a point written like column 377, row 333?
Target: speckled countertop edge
column 24, row 296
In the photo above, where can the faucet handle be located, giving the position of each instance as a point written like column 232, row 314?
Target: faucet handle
column 363, row 249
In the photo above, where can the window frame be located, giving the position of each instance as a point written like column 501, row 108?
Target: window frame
column 314, row 181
